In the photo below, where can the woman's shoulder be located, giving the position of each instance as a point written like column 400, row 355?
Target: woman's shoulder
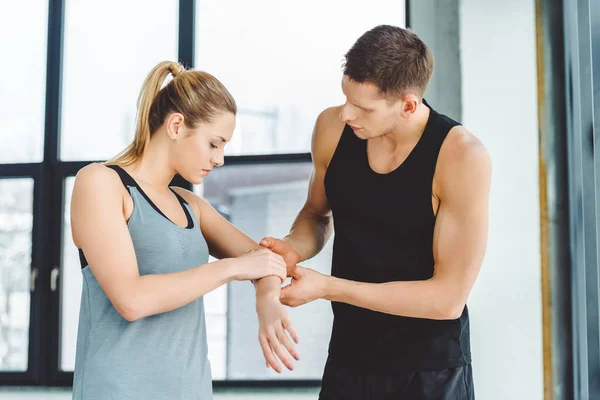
column 97, row 178
column 97, row 190
column 96, row 171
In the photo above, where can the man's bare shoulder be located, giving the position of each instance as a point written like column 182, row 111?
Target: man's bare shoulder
column 326, row 135
column 463, row 158
column 461, row 146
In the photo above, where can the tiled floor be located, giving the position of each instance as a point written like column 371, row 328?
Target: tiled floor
column 272, row 394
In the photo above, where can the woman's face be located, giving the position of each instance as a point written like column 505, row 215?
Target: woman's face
column 198, row 150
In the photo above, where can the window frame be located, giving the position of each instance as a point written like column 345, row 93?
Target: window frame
column 49, row 177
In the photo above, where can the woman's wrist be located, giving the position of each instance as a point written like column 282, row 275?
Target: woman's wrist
column 269, row 286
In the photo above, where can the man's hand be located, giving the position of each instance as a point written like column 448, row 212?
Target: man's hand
column 284, row 249
column 307, row 285
column 273, row 324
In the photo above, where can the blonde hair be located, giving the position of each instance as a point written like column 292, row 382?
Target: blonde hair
column 197, row 95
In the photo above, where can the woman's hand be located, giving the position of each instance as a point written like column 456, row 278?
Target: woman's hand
column 257, row 264
column 273, row 327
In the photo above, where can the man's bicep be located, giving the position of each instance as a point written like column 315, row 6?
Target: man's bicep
column 461, row 230
column 316, row 202
column 326, row 134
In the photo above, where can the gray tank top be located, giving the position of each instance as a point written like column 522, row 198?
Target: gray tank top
column 162, row 356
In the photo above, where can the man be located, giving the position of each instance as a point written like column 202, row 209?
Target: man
column 407, row 190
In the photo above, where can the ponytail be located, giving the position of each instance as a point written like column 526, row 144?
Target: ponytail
column 197, row 95
column 150, row 89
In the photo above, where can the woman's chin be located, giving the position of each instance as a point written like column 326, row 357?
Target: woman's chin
column 197, row 180
column 194, row 179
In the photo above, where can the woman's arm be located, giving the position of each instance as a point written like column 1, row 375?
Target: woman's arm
column 225, row 240
column 100, row 230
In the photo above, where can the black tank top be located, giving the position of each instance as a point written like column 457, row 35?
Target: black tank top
column 383, row 233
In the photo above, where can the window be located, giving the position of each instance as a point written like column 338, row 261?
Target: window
column 261, row 200
column 283, row 67
column 16, row 217
column 80, row 67
column 23, row 27
column 71, row 285
column 110, row 47
column 282, row 62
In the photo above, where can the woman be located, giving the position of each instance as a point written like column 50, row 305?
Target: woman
column 144, row 251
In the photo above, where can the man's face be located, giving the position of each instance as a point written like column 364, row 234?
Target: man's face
column 367, row 112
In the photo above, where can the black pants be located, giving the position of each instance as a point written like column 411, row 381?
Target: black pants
column 340, row 383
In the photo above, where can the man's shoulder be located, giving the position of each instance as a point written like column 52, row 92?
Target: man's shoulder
column 461, row 156
column 326, row 135
column 329, row 124
column 461, row 145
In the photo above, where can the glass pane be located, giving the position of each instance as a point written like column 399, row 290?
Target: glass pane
column 24, row 29
column 264, row 200
column 110, row 47
column 215, row 306
column 71, row 285
column 217, row 350
column 282, row 62
column 16, row 220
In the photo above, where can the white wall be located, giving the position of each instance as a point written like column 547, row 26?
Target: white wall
column 500, row 106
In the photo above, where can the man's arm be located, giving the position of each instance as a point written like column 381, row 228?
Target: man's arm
column 459, row 243
column 313, row 225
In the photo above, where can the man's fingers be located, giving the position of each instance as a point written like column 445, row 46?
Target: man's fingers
column 272, row 244
column 283, row 295
column 285, row 302
column 286, row 298
column 294, row 272
column 267, row 242
column 268, row 353
column 279, row 351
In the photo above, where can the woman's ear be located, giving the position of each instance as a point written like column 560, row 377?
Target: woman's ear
column 174, row 124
